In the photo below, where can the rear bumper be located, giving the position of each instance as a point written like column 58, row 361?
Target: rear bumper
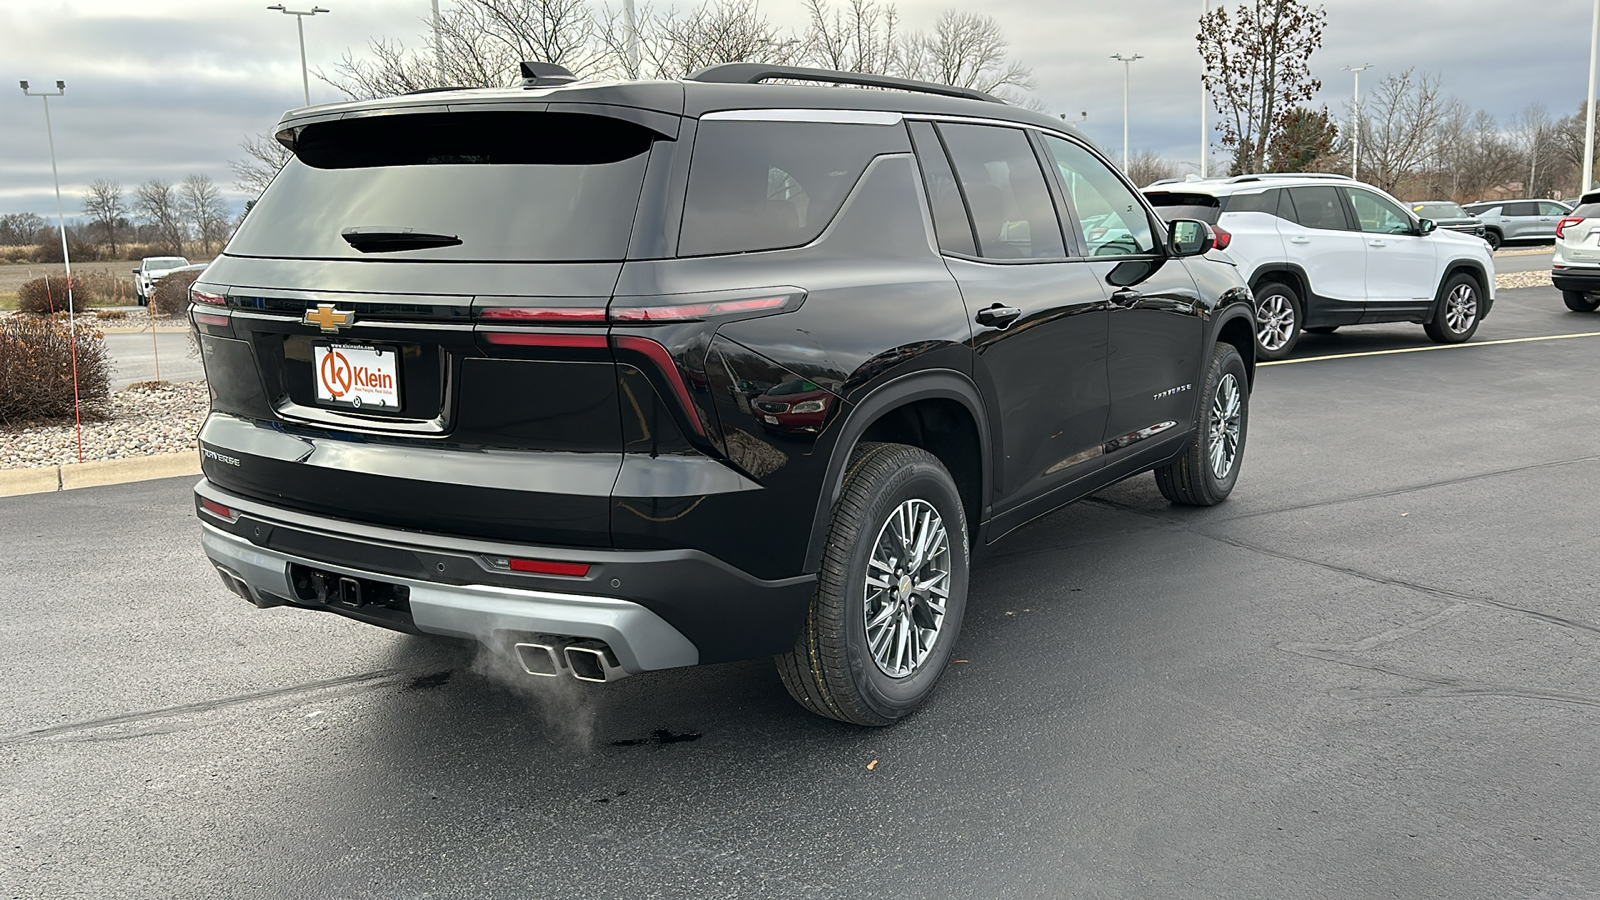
column 654, row 609
column 1584, row 280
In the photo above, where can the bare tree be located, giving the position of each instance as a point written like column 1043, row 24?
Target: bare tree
column 264, row 156
column 674, row 45
column 863, row 36
column 1147, row 167
column 966, row 49
column 19, row 229
column 200, row 203
column 1397, row 127
column 107, row 210
column 1532, row 132
column 157, row 204
column 1258, row 69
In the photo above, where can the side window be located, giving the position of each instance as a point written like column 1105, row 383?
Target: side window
column 1013, row 215
column 1319, row 207
column 1551, row 209
column 757, row 185
column 950, row 221
column 1375, row 215
column 1260, row 201
column 1113, row 220
column 1513, row 210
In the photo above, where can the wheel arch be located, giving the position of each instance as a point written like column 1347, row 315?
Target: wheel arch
column 1284, row 273
column 1470, row 267
column 940, row 411
column 1236, row 326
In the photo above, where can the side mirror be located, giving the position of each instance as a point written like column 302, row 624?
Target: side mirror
column 1190, row 237
column 1427, row 226
column 135, row 271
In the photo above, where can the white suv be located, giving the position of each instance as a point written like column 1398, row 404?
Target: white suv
column 151, row 270
column 1575, row 268
column 1321, row 251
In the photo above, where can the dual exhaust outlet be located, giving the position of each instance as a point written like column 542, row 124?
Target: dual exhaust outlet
column 585, row 660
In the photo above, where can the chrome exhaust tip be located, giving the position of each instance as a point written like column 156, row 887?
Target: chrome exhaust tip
column 538, row 659
column 235, row 583
column 593, row 661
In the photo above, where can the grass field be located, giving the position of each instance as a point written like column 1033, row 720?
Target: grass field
column 8, row 301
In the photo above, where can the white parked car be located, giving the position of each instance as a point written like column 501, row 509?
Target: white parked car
column 1575, row 267
column 1323, row 251
column 152, row 269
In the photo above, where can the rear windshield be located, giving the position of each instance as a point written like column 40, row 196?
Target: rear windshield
column 505, row 186
column 1439, row 211
column 165, row 262
column 759, row 185
column 1171, row 206
column 1587, row 211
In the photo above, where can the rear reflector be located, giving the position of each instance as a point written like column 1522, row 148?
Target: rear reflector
column 212, row 319
column 556, row 315
column 536, row 339
column 218, row 510
column 1224, row 238
column 206, row 297
column 545, row 567
column 1561, row 226
column 688, row 311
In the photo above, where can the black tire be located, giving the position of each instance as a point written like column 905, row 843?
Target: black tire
column 1322, row 329
column 1279, row 314
column 1493, row 239
column 1457, row 312
column 832, row 671
column 1578, row 301
column 1191, row 479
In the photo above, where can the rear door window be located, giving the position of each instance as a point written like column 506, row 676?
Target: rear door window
column 771, row 185
column 1012, row 212
column 501, row 186
column 1319, row 207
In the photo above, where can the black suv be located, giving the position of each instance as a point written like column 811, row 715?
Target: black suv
column 618, row 377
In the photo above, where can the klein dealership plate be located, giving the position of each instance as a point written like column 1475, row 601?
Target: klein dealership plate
column 357, row 376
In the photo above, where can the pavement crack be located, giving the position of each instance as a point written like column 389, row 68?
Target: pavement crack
column 1430, row 684
column 374, row 678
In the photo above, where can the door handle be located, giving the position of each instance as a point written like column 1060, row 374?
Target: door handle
column 998, row 316
column 1126, row 298
column 1299, row 240
column 1377, row 244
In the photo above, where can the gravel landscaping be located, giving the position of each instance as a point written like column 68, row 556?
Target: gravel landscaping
column 142, row 421
column 1506, row 281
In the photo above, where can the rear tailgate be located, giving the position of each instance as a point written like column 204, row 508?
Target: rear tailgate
column 357, row 364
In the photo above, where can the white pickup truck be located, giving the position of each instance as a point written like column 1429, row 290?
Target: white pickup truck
column 152, row 269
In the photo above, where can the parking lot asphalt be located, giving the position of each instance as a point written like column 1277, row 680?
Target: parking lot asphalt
column 136, row 358
column 1371, row 673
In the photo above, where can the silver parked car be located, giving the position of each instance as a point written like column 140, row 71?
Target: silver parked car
column 1518, row 220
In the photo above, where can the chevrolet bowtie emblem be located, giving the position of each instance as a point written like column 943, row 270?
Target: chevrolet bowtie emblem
column 327, row 318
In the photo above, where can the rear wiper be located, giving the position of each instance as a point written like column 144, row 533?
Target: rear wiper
column 389, row 238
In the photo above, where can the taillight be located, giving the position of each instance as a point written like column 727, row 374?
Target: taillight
column 540, row 566
column 218, row 510
column 1223, row 238
column 669, row 368
column 201, row 318
column 544, row 339
column 552, row 315
column 199, row 296
column 1561, row 226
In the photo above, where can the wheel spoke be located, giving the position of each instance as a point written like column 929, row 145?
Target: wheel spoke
column 907, row 588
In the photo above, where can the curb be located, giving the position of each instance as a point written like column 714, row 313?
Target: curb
column 49, row 479
column 133, row 329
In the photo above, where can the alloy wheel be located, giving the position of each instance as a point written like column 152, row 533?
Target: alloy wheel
column 1227, row 414
column 1274, row 321
column 1461, row 308
column 907, row 588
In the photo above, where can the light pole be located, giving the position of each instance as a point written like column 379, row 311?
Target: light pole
column 632, row 24
column 1205, row 99
column 1588, row 128
column 1127, row 65
column 300, row 26
column 1355, row 119
column 66, row 259
column 438, row 46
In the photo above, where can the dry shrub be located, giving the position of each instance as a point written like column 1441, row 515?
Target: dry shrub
column 36, row 369
column 43, row 296
column 110, row 315
column 171, row 296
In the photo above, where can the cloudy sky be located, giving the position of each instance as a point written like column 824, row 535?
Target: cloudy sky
column 165, row 88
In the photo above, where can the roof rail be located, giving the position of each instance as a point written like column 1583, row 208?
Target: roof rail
column 1263, row 176
column 755, row 73
column 543, row 74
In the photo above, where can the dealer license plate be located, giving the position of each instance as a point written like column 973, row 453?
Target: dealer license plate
column 357, row 376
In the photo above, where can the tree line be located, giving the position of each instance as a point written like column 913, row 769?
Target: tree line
column 158, row 217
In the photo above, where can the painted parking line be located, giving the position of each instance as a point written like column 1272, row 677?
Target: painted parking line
column 1466, row 346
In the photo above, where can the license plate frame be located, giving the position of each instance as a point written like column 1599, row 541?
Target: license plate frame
column 355, row 376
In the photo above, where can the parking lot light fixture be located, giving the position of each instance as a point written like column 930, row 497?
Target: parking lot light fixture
column 1127, row 64
column 66, row 258
column 299, row 22
column 1355, row 120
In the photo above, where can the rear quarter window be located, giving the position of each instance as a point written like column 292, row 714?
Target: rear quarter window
column 770, row 185
column 1173, row 205
column 1587, row 211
